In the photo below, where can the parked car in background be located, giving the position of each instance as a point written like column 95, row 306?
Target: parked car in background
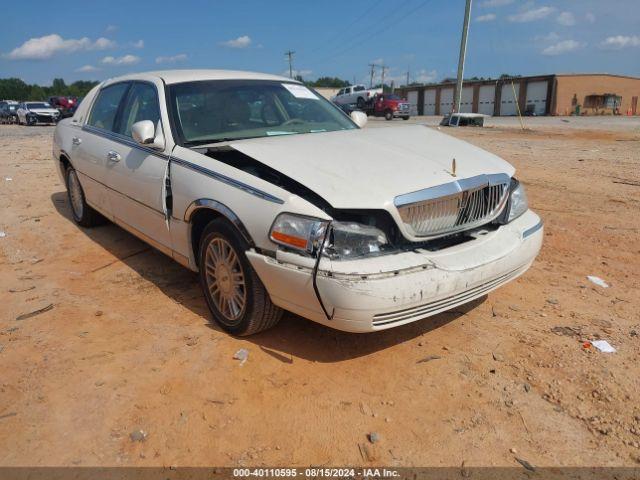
column 65, row 105
column 31, row 113
column 8, row 112
column 281, row 202
column 355, row 94
column 463, row 120
column 389, row 106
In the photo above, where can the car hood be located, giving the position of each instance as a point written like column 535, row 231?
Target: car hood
column 368, row 168
column 44, row 111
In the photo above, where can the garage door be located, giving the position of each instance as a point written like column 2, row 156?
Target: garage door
column 537, row 98
column 508, row 103
column 486, row 99
column 446, row 101
column 412, row 98
column 466, row 102
column 430, row 102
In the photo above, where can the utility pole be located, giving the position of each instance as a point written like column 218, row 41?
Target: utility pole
column 408, row 69
column 290, row 55
column 463, row 53
column 384, row 70
column 373, row 70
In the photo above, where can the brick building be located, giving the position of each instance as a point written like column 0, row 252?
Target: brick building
column 557, row 94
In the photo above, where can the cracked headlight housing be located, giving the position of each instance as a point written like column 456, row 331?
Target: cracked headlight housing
column 350, row 240
column 518, row 203
column 298, row 232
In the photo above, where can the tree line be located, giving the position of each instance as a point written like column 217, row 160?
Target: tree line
column 16, row 89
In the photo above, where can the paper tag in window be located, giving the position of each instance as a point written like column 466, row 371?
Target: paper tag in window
column 299, row 91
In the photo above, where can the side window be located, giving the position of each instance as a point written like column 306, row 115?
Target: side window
column 141, row 104
column 103, row 113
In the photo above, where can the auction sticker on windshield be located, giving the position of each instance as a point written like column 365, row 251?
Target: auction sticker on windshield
column 299, row 91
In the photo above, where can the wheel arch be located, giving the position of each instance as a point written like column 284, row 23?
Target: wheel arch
column 204, row 210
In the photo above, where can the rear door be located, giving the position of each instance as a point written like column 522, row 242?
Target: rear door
column 90, row 144
column 135, row 173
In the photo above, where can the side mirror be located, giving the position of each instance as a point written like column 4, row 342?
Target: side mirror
column 144, row 133
column 360, row 118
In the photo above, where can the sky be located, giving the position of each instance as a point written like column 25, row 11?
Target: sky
column 74, row 40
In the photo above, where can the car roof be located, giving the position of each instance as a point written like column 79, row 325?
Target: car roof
column 179, row 76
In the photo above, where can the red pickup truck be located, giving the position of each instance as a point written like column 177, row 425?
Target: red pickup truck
column 389, row 106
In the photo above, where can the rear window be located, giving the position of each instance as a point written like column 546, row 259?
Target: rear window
column 103, row 114
column 358, row 88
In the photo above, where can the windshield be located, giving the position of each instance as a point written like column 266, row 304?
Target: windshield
column 223, row 110
column 38, row 105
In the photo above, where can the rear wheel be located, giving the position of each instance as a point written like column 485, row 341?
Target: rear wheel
column 388, row 115
column 82, row 213
column 238, row 301
column 360, row 103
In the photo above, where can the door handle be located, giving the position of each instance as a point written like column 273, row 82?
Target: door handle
column 113, row 156
column 76, row 141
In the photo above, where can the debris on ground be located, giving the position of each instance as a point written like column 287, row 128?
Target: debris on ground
column 2, row 234
column 567, row 331
column 242, row 355
column 497, row 357
column 373, row 437
column 366, row 452
column 7, row 415
column 603, row 346
column 138, row 435
column 19, row 290
column 366, row 409
column 598, row 281
column 190, row 341
column 525, row 464
column 24, row 316
column 552, row 301
column 429, row 358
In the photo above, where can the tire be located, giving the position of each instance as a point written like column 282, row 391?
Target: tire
column 31, row 121
column 405, row 118
column 360, row 103
column 388, row 115
column 82, row 214
column 242, row 305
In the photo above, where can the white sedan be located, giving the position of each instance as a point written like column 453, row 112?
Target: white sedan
column 282, row 202
column 31, row 113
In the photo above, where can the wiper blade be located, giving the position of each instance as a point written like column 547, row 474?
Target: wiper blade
column 216, row 140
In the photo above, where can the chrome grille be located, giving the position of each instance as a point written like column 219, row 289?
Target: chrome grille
column 454, row 207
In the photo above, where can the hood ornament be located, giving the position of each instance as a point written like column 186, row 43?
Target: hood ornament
column 453, row 168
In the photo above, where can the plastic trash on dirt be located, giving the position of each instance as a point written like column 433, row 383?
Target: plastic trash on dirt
column 598, row 281
column 603, row 346
column 242, row 355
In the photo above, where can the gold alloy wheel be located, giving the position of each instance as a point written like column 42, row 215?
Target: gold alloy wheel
column 225, row 280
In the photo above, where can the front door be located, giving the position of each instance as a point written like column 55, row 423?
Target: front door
column 135, row 173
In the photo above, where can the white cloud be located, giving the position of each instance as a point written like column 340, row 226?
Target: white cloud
column 241, row 42
column 42, row 48
column 567, row 19
column 548, row 38
column 118, row 61
column 590, row 17
column 87, row 69
column 620, row 41
column 489, row 17
column 181, row 57
column 496, row 3
column 531, row 15
column 565, row 46
column 424, row 76
column 138, row 44
column 111, row 28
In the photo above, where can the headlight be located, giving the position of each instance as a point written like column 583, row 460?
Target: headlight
column 518, row 203
column 350, row 240
column 298, row 232
column 347, row 240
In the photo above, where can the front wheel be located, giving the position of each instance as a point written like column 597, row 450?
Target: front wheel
column 31, row 121
column 388, row 115
column 236, row 297
column 405, row 118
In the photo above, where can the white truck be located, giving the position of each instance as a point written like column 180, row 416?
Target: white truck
column 358, row 94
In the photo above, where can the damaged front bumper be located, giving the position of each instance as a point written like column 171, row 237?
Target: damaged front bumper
column 381, row 292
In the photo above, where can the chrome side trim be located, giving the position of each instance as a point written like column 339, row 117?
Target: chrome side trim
column 228, row 180
column 452, row 188
column 178, row 161
column 530, row 231
column 222, row 209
